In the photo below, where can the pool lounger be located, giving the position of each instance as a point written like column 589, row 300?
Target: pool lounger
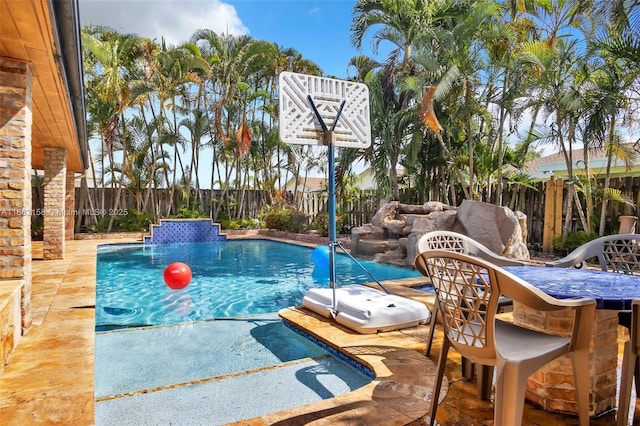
column 367, row 310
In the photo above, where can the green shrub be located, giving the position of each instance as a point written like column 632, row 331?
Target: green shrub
column 320, row 223
column 132, row 220
column 37, row 227
column 286, row 219
column 185, row 213
column 248, row 223
column 103, row 224
column 571, row 242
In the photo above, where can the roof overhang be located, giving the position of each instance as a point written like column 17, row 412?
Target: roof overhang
column 46, row 35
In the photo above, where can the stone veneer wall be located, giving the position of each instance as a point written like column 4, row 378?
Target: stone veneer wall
column 552, row 387
column 69, row 206
column 55, row 181
column 15, row 181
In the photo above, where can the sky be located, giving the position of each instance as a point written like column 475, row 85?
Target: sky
column 318, row 29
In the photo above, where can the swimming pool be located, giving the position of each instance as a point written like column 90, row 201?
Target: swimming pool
column 230, row 279
column 216, row 351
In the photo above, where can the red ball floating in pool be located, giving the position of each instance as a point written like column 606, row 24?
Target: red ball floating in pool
column 177, row 275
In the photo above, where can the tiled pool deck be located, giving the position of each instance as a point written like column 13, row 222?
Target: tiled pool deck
column 49, row 377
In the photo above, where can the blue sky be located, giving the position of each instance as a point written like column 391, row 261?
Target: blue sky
column 319, row 29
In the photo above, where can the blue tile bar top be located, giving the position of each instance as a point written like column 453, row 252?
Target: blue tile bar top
column 610, row 290
column 184, row 231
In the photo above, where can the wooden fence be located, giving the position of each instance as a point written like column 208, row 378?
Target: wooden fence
column 530, row 201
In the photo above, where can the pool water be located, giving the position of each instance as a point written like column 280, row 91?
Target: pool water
column 229, row 279
column 216, row 351
column 213, row 372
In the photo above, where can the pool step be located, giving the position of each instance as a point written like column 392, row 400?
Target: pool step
column 187, row 374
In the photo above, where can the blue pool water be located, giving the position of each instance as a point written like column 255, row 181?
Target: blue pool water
column 230, row 279
column 213, row 372
column 215, row 352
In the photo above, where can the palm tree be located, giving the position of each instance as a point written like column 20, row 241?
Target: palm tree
column 114, row 55
column 229, row 58
column 197, row 126
column 400, row 22
column 462, row 50
column 608, row 91
column 166, row 84
column 512, row 52
column 388, row 128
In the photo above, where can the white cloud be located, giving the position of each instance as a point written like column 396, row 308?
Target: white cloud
column 176, row 20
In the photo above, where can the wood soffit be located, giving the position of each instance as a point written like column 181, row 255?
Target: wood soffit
column 27, row 34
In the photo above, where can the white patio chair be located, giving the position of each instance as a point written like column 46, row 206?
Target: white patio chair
column 630, row 365
column 467, row 290
column 460, row 243
column 615, row 253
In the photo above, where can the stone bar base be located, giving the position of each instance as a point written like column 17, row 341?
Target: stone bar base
column 552, row 387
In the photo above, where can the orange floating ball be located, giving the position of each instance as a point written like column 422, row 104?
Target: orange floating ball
column 177, row 275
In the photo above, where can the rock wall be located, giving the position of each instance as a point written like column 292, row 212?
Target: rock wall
column 394, row 231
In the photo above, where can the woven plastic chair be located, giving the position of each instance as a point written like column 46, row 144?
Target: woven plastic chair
column 460, row 243
column 615, row 253
column 630, row 365
column 467, row 291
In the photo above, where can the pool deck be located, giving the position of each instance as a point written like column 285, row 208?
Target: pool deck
column 49, row 377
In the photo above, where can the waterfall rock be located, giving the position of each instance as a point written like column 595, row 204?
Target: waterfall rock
column 395, row 229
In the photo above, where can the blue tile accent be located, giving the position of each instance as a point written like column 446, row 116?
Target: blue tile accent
column 184, row 231
column 333, row 351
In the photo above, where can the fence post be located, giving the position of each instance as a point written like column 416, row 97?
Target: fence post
column 552, row 212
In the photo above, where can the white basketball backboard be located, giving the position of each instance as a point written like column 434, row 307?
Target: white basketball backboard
column 299, row 123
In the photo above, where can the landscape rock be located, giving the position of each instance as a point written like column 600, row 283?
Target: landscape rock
column 395, row 229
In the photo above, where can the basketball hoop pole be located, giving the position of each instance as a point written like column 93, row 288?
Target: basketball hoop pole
column 328, row 139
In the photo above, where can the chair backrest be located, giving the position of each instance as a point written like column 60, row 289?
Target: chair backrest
column 460, row 243
column 467, row 293
column 615, row 253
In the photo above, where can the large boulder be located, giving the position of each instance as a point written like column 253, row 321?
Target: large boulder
column 497, row 228
column 388, row 217
column 368, row 232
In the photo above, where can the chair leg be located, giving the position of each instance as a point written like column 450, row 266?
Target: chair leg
column 637, row 374
column 484, row 377
column 432, row 328
column 508, row 403
column 629, row 361
column 442, row 363
column 581, row 364
column 485, row 381
column 467, row 368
